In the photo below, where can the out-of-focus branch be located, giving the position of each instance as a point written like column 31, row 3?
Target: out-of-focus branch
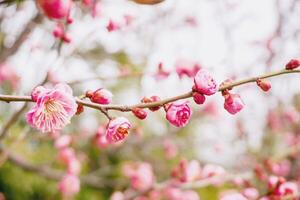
column 125, row 108
column 52, row 174
column 11, row 121
column 6, row 52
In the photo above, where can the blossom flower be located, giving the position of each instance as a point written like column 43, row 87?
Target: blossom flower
column 117, row 129
column 187, row 171
column 183, row 68
column 178, row 113
column 54, row 108
column 177, row 194
column 55, row 9
column 233, row 103
column 69, row 185
column 251, row 193
column 140, row 174
column 204, row 83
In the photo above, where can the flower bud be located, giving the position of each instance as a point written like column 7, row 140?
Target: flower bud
column 139, row 113
column 233, row 103
column 198, row 98
column 263, row 84
column 100, row 96
column 292, row 64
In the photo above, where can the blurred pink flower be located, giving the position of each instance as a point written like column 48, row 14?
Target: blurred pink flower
column 172, row 193
column 112, row 26
column 233, row 196
column 117, row 129
column 69, row 185
column 178, row 113
column 63, row 141
column 55, row 9
column 117, row 196
column 251, row 193
column 54, row 108
column 205, row 83
column 100, row 138
column 8, row 74
column 233, row 103
column 170, row 148
column 288, row 188
column 187, row 171
column 66, row 155
column 184, row 68
column 211, row 170
column 74, row 166
column 140, row 174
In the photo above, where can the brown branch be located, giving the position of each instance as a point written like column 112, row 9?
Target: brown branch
column 125, row 108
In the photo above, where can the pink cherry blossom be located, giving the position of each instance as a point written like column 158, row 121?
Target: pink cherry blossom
column 117, row 129
column 186, row 68
column 69, row 185
column 54, row 108
column 55, row 9
column 178, row 113
column 205, row 83
column 177, row 194
column 100, row 138
column 233, row 103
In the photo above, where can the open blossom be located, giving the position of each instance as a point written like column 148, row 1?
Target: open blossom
column 205, row 83
column 54, row 108
column 178, row 113
column 117, row 129
column 55, row 9
column 233, row 103
column 69, row 185
column 140, row 174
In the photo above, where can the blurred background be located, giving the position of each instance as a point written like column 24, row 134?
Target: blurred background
column 119, row 45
